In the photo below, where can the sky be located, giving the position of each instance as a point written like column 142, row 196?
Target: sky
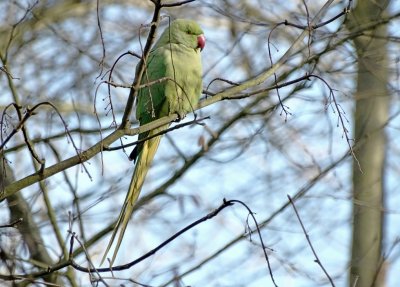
column 281, row 155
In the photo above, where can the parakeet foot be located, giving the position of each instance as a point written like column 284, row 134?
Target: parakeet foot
column 181, row 116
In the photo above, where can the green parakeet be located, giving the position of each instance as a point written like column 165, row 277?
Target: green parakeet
column 175, row 56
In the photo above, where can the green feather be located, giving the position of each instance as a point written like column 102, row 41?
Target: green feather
column 175, row 56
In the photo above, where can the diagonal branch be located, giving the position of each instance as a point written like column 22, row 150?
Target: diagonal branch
column 124, row 130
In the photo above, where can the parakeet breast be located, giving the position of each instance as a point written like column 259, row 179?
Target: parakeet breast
column 184, row 68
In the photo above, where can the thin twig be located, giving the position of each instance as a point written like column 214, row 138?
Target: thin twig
column 309, row 242
column 180, row 3
column 13, row 224
column 251, row 213
column 195, row 121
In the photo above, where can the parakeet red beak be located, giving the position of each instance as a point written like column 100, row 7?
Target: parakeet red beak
column 201, row 42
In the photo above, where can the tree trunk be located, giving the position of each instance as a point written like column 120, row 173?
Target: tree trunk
column 371, row 113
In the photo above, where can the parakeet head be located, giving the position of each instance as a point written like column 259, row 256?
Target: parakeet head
column 184, row 32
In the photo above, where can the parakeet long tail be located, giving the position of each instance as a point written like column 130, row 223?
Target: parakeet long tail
column 143, row 163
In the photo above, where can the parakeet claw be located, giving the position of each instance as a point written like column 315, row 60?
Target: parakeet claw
column 181, row 116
